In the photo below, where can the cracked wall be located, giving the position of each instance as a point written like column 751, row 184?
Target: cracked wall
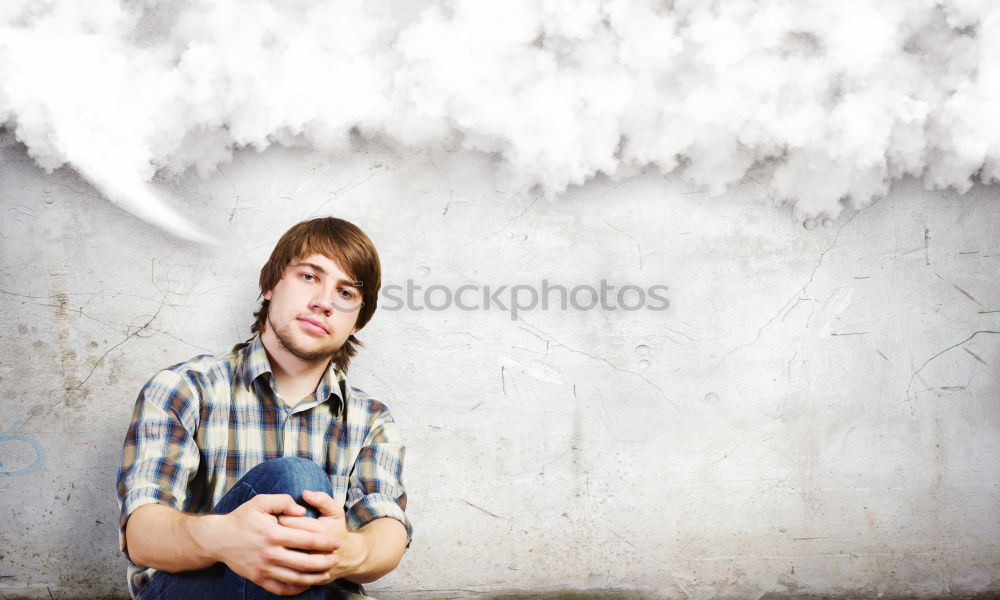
column 815, row 412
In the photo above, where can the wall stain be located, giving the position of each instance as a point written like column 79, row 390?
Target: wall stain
column 66, row 355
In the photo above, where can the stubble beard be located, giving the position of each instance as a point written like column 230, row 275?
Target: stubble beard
column 287, row 341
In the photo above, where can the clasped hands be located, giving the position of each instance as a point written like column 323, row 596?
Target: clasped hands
column 271, row 542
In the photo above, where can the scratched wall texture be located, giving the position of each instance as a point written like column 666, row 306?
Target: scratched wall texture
column 815, row 412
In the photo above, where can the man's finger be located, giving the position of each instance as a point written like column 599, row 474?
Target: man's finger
column 303, row 523
column 324, row 503
column 302, row 563
column 303, row 538
column 279, row 588
column 278, row 504
column 295, row 578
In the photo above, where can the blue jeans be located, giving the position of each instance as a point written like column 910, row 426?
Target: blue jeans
column 289, row 475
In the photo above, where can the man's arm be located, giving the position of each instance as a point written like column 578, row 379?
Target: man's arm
column 162, row 537
column 249, row 540
column 371, row 525
column 379, row 548
column 364, row 555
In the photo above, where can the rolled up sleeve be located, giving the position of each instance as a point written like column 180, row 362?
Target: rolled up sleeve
column 159, row 456
column 376, row 484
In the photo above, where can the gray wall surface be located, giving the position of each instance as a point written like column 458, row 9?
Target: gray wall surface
column 814, row 412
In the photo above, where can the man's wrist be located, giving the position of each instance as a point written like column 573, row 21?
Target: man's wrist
column 203, row 531
column 354, row 551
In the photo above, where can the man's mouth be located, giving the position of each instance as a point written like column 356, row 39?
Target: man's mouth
column 314, row 326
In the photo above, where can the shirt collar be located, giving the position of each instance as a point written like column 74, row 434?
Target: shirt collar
column 256, row 363
column 333, row 384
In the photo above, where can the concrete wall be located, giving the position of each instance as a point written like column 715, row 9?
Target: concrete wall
column 815, row 412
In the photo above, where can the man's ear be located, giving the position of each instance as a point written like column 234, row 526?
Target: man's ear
column 267, row 295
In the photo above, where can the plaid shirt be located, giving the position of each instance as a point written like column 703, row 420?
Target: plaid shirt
column 201, row 425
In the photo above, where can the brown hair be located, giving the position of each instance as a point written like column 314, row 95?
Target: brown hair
column 340, row 241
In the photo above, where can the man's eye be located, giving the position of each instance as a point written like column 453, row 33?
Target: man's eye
column 347, row 294
column 308, row 277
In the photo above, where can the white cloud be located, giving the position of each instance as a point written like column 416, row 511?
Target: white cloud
column 831, row 101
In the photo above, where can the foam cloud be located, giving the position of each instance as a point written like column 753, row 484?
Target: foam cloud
column 822, row 102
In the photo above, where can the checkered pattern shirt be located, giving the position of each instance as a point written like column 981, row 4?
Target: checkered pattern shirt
column 201, row 425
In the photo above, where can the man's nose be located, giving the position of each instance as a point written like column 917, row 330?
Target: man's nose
column 322, row 302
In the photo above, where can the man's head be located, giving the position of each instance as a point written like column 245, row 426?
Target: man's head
column 337, row 254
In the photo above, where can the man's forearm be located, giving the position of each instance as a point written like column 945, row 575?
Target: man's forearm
column 372, row 551
column 167, row 539
column 249, row 540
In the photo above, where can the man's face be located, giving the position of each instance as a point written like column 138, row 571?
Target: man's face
column 313, row 309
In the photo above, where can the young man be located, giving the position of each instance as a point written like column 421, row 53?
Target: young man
column 259, row 473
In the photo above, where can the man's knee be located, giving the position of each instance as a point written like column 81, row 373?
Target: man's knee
column 294, row 465
column 292, row 475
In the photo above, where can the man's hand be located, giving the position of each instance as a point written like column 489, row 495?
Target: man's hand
column 284, row 560
column 352, row 551
column 362, row 556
